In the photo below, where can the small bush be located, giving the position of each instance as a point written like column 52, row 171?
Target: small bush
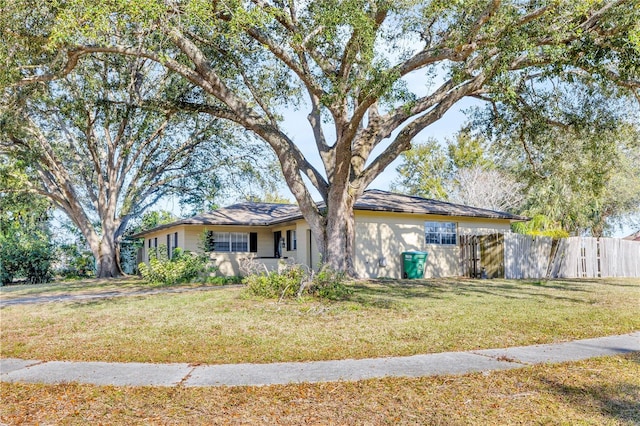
column 224, row 280
column 183, row 266
column 330, row 284
column 277, row 284
column 296, row 281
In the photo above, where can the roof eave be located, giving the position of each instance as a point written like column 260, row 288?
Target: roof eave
column 513, row 218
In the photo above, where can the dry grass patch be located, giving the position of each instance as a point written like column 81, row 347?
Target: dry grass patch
column 382, row 319
column 604, row 391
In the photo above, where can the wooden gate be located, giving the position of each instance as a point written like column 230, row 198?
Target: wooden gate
column 482, row 256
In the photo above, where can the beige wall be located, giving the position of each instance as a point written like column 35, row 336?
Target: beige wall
column 378, row 236
column 189, row 238
column 308, row 253
column 289, row 254
column 387, row 235
column 162, row 240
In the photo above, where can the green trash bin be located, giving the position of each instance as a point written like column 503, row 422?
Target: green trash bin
column 414, row 262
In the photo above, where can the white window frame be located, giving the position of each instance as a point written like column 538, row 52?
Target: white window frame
column 229, row 242
column 441, row 233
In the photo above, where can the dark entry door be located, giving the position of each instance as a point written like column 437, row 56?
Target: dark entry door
column 276, row 243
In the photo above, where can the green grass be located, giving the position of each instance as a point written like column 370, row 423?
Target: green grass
column 86, row 286
column 383, row 318
column 601, row 391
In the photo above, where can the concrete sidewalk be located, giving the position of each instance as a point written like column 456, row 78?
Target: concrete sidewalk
column 139, row 374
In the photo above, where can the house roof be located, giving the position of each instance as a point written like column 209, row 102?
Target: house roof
column 633, row 237
column 384, row 201
column 267, row 214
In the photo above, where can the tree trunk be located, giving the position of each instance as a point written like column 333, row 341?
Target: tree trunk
column 339, row 233
column 108, row 265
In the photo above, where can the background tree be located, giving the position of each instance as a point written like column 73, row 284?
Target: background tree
column 26, row 250
column 348, row 62
column 425, row 171
column 462, row 173
column 489, row 188
column 102, row 159
column 580, row 159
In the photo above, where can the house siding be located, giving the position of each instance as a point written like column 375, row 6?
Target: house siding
column 381, row 235
column 378, row 236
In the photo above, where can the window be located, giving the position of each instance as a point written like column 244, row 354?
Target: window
column 155, row 248
column 440, row 233
column 292, row 241
column 227, row 241
column 172, row 243
column 239, row 241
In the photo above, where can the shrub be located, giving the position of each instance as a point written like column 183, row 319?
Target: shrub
column 296, row 281
column 183, row 266
column 330, row 284
column 76, row 261
column 224, row 280
column 25, row 257
column 276, row 284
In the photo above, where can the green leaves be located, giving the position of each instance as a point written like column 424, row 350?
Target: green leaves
column 183, row 267
column 577, row 149
column 26, row 251
column 424, row 171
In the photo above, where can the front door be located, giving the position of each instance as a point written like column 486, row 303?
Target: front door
column 277, row 248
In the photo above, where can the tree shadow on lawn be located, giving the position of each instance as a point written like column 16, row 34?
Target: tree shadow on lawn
column 444, row 288
column 619, row 401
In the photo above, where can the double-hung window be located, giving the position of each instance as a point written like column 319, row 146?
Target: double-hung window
column 227, row 241
column 239, row 241
column 440, row 233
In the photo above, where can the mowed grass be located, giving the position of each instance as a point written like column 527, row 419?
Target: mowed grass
column 382, row 318
column 601, row 391
column 87, row 286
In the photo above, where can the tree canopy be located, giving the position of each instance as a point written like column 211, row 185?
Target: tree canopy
column 91, row 147
column 577, row 153
column 463, row 173
column 349, row 63
column 26, row 250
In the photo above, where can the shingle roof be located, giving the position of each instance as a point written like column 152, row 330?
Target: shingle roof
column 377, row 200
column 266, row 214
column 241, row 214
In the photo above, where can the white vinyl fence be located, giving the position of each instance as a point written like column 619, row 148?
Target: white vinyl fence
column 576, row 257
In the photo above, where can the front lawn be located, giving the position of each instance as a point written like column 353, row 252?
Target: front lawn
column 602, row 391
column 76, row 287
column 382, row 318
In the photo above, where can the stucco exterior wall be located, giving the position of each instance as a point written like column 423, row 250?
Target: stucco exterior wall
column 382, row 237
column 308, row 253
column 189, row 238
column 162, row 240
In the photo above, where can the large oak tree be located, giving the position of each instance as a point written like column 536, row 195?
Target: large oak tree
column 103, row 160
column 352, row 64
